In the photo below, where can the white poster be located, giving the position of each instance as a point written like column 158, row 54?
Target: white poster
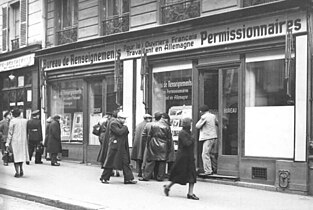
column 94, row 119
column 77, row 131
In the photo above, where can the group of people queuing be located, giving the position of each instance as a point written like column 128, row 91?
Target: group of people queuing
column 23, row 137
column 153, row 148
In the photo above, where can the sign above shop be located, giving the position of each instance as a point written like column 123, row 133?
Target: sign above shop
column 19, row 62
column 255, row 29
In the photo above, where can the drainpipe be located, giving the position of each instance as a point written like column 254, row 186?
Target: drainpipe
column 310, row 99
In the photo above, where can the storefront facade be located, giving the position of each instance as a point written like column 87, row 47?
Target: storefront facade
column 252, row 71
column 20, row 81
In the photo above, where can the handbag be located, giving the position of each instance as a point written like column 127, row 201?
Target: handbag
column 8, row 155
column 39, row 149
column 96, row 130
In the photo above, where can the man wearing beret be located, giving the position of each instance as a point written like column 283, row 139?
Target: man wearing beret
column 34, row 131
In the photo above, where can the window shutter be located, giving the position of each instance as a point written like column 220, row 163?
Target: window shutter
column 23, row 29
column 5, row 24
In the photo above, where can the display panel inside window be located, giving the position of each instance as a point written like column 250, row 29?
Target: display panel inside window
column 269, row 83
column 67, row 101
column 171, row 93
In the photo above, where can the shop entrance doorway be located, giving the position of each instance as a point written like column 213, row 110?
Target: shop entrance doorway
column 219, row 91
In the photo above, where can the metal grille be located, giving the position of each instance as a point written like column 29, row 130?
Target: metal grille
column 248, row 3
column 180, row 11
column 64, row 152
column 259, row 173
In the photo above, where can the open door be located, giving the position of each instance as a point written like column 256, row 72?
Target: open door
column 219, row 91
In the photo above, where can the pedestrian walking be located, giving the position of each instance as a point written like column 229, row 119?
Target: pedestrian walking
column 158, row 149
column 208, row 134
column 48, row 121
column 4, row 129
column 184, row 168
column 17, row 139
column 54, row 145
column 103, row 138
column 139, row 143
column 34, row 130
column 118, row 156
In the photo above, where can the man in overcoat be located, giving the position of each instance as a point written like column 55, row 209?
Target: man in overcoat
column 54, row 145
column 4, row 129
column 159, row 149
column 118, row 156
column 34, row 131
column 140, row 143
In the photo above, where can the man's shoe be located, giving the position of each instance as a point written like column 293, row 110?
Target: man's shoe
column 55, row 164
column 16, row 175
column 21, row 173
column 166, row 190
column 130, row 182
column 39, row 162
column 5, row 164
column 27, row 162
column 117, row 174
column 143, row 179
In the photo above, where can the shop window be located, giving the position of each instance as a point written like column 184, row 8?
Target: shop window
column 171, row 93
column 178, row 10
column 114, row 97
column 269, row 108
column 268, row 85
column 67, row 21
column 67, row 101
column 115, row 16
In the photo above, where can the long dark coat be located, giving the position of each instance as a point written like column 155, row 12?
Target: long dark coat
column 118, row 150
column 54, row 139
column 104, row 140
column 139, row 142
column 159, row 142
column 34, row 130
column 184, row 168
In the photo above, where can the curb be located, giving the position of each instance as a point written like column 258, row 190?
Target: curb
column 51, row 202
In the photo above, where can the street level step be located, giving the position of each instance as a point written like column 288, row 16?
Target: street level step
column 217, row 176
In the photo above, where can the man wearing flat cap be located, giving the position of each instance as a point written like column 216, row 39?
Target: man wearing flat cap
column 34, row 131
column 139, row 143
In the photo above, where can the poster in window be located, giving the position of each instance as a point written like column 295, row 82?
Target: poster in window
column 176, row 114
column 77, row 132
column 94, row 119
column 65, row 124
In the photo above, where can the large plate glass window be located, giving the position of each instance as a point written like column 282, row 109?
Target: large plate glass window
column 67, row 101
column 269, row 106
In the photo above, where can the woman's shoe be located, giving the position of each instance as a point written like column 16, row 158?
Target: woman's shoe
column 103, row 181
column 193, row 197
column 166, row 190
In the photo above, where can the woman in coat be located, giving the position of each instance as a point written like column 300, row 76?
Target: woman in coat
column 54, row 145
column 184, row 168
column 17, row 138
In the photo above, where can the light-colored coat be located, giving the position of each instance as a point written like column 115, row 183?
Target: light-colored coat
column 17, row 137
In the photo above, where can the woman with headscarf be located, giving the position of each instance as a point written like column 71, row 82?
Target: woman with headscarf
column 184, row 168
column 17, row 139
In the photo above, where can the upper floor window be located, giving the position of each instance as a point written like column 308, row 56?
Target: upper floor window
column 248, row 3
column 178, row 10
column 115, row 16
column 67, row 21
column 14, row 23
